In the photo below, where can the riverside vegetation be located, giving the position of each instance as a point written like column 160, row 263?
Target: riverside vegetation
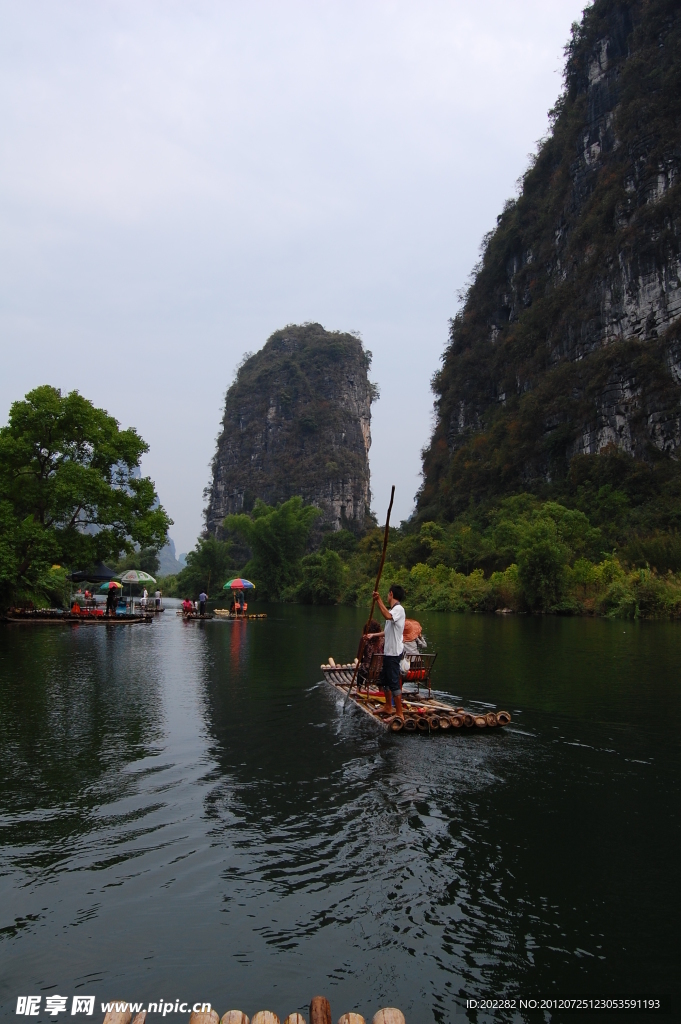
column 601, row 550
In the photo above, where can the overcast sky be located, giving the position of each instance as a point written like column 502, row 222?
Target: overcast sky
column 180, row 178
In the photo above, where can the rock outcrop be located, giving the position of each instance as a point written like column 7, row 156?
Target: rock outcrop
column 569, row 340
column 297, row 422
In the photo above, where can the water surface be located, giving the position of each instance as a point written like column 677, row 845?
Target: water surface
column 186, row 813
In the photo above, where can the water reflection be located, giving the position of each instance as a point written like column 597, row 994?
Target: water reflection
column 193, row 787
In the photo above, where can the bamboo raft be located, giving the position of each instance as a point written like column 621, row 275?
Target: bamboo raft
column 319, row 1013
column 224, row 613
column 425, row 714
column 55, row 616
column 219, row 613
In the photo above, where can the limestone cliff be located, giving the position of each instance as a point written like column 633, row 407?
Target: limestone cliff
column 569, row 340
column 297, row 422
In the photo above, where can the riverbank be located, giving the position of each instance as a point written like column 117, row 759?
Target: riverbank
column 604, row 589
column 607, row 588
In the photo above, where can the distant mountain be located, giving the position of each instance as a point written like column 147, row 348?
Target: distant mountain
column 568, row 345
column 297, row 422
column 170, row 565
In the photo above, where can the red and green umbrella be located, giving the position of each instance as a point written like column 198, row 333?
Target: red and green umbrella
column 239, row 584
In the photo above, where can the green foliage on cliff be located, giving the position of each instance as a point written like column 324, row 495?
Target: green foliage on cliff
column 65, row 468
column 526, row 374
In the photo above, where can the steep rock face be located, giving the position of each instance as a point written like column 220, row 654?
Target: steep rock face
column 569, row 340
column 297, row 422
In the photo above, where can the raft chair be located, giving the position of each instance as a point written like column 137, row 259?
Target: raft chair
column 420, row 669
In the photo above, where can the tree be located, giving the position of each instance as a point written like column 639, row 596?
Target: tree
column 145, row 559
column 542, row 558
column 322, row 578
column 67, row 490
column 277, row 538
column 208, row 568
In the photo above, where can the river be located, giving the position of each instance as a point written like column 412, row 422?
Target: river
column 187, row 813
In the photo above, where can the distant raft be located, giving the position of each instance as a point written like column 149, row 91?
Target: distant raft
column 424, row 713
column 84, row 617
column 219, row 613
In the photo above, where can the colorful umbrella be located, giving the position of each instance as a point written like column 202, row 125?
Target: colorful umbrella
column 111, row 585
column 239, row 584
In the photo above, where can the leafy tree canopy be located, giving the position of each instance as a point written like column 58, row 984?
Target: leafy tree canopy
column 145, row 559
column 322, row 578
column 277, row 537
column 67, row 493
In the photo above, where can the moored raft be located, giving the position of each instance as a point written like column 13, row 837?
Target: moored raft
column 424, row 713
column 56, row 616
column 224, row 613
column 219, row 613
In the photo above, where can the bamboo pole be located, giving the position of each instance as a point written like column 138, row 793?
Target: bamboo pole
column 360, row 650
column 320, row 1009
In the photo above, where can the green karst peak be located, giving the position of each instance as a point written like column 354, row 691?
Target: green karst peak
column 563, row 368
column 297, row 423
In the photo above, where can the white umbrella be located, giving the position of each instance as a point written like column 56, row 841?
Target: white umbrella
column 135, row 576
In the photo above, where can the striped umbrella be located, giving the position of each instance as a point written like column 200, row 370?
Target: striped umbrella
column 239, row 584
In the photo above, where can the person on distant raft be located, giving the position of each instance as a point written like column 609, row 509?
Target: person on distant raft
column 393, row 647
column 203, row 597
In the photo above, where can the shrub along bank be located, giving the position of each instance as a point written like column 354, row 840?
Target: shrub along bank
column 522, row 555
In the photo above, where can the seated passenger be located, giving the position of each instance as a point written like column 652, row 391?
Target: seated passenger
column 373, row 644
column 412, row 639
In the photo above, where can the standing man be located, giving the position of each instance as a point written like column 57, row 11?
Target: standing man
column 203, row 597
column 393, row 647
